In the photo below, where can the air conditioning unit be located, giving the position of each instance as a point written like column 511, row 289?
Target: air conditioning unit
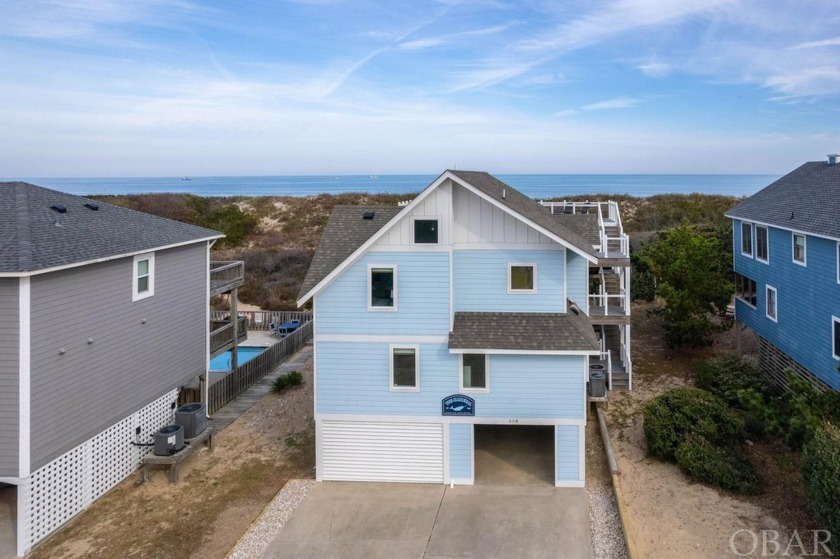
column 192, row 418
column 169, row 440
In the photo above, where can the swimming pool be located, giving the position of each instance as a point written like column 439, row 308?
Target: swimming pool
column 222, row 361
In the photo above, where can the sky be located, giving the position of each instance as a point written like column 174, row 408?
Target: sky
column 94, row 88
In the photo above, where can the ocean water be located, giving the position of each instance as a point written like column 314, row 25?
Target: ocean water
column 535, row 186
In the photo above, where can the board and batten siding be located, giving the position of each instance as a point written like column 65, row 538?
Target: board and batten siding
column 577, row 280
column 807, row 297
column 353, row 378
column 476, row 220
column 422, row 297
column 481, row 280
column 461, row 451
column 567, row 452
column 139, row 350
column 9, row 376
column 435, row 205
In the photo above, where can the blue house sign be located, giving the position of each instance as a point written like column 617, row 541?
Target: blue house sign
column 458, row 404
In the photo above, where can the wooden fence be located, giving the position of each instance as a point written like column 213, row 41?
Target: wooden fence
column 259, row 320
column 236, row 382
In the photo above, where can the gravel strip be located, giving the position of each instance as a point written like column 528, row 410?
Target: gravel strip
column 607, row 534
column 276, row 514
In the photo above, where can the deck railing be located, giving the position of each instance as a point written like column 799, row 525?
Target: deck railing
column 237, row 381
column 221, row 334
column 617, row 243
column 260, row 320
column 225, row 275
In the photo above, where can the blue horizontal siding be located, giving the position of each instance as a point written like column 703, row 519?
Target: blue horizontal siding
column 422, row 297
column 481, row 281
column 460, row 450
column 567, row 452
column 353, row 378
column 807, row 298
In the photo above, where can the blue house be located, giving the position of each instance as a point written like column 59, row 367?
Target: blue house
column 465, row 307
column 787, row 270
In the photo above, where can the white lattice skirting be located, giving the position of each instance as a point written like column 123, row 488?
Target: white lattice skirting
column 71, row 482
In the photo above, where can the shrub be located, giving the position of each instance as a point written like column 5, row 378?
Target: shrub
column 669, row 419
column 727, row 374
column 721, row 466
column 761, row 413
column 820, row 468
column 295, row 378
column 290, row 379
column 806, row 409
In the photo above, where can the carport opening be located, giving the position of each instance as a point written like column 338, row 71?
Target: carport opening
column 514, row 455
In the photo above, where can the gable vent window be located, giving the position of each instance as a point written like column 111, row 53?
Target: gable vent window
column 426, row 231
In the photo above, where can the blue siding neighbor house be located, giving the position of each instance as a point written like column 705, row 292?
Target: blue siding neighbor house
column 467, row 306
column 787, row 269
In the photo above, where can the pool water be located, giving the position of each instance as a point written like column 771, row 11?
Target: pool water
column 222, row 361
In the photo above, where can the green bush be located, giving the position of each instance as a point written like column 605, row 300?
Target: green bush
column 295, row 378
column 820, row 468
column 721, row 466
column 284, row 381
column 669, row 419
column 805, row 409
column 761, row 413
column 727, row 374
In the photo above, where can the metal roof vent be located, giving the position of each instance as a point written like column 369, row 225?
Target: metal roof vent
column 832, row 158
column 368, row 215
column 58, row 208
column 92, row 206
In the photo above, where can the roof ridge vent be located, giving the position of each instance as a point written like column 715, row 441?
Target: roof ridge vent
column 58, row 208
column 92, row 206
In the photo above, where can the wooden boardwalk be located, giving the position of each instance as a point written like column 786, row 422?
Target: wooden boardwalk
column 239, row 405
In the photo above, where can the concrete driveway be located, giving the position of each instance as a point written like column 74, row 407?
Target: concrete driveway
column 406, row 521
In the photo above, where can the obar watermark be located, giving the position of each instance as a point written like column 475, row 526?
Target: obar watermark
column 772, row 543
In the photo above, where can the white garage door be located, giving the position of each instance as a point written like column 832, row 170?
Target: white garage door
column 367, row 451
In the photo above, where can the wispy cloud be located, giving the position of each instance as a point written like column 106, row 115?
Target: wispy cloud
column 833, row 42
column 451, row 38
column 655, row 69
column 617, row 103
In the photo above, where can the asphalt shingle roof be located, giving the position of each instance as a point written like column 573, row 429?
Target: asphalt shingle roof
column 34, row 237
column 346, row 231
column 585, row 225
column 523, row 331
column 806, row 199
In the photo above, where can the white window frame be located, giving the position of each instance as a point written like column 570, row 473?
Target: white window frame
column 521, row 291
column 425, row 218
column 461, row 386
column 755, row 243
column 838, row 261
column 416, row 387
column 137, row 295
column 804, row 261
column 775, row 316
column 751, row 229
column 370, row 268
column 835, row 351
column 755, row 293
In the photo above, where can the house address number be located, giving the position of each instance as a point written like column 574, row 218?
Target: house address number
column 513, row 421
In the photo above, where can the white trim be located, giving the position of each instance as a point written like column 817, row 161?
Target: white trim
column 764, row 223
column 409, row 249
column 835, row 351
column 370, row 268
column 381, row 338
column 25, row 375
column 569, row 483
column 767, row 290
column 461, row 481
column 416, row 387
column 10, row 480
column 411, row 232
column 510, row 289
column 446, row 419
column 508, row 246
column 105, row 259
column 838, row 261
column 524, row 351
column 205, row 397
column 767, row 237
column 137, row 295
column 804, row 261
column 464, row 389
column 751, row 227
column 447, row 466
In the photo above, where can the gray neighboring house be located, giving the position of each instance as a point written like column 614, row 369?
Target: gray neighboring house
column 104, row 315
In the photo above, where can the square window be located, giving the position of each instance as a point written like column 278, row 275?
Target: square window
column 522, row 278
column 143, row 283
column 771, row 304
column 426, row 231
column 382, row 288
column 835, row 324
column 746, row 239
column 474, row 369
column 762, row 248
column 799, row 248
column 404, row 368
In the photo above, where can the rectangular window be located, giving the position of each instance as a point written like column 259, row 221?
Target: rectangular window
column 746, row 239
column 745, row 289
column 771, row 305
column 405, row 361
column 762, row 244
column 475, row 371
column 835, row 327
column 799, row 248
column 143, row 282
column 838, row 262
column 425, row 231
column 522, row 278
column 382, row 288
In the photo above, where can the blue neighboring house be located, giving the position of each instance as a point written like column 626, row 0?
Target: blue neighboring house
column 787, row 270
column 470, row 305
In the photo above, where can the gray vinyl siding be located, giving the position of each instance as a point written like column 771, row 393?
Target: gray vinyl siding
column 9, row 387
column 140, row 349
